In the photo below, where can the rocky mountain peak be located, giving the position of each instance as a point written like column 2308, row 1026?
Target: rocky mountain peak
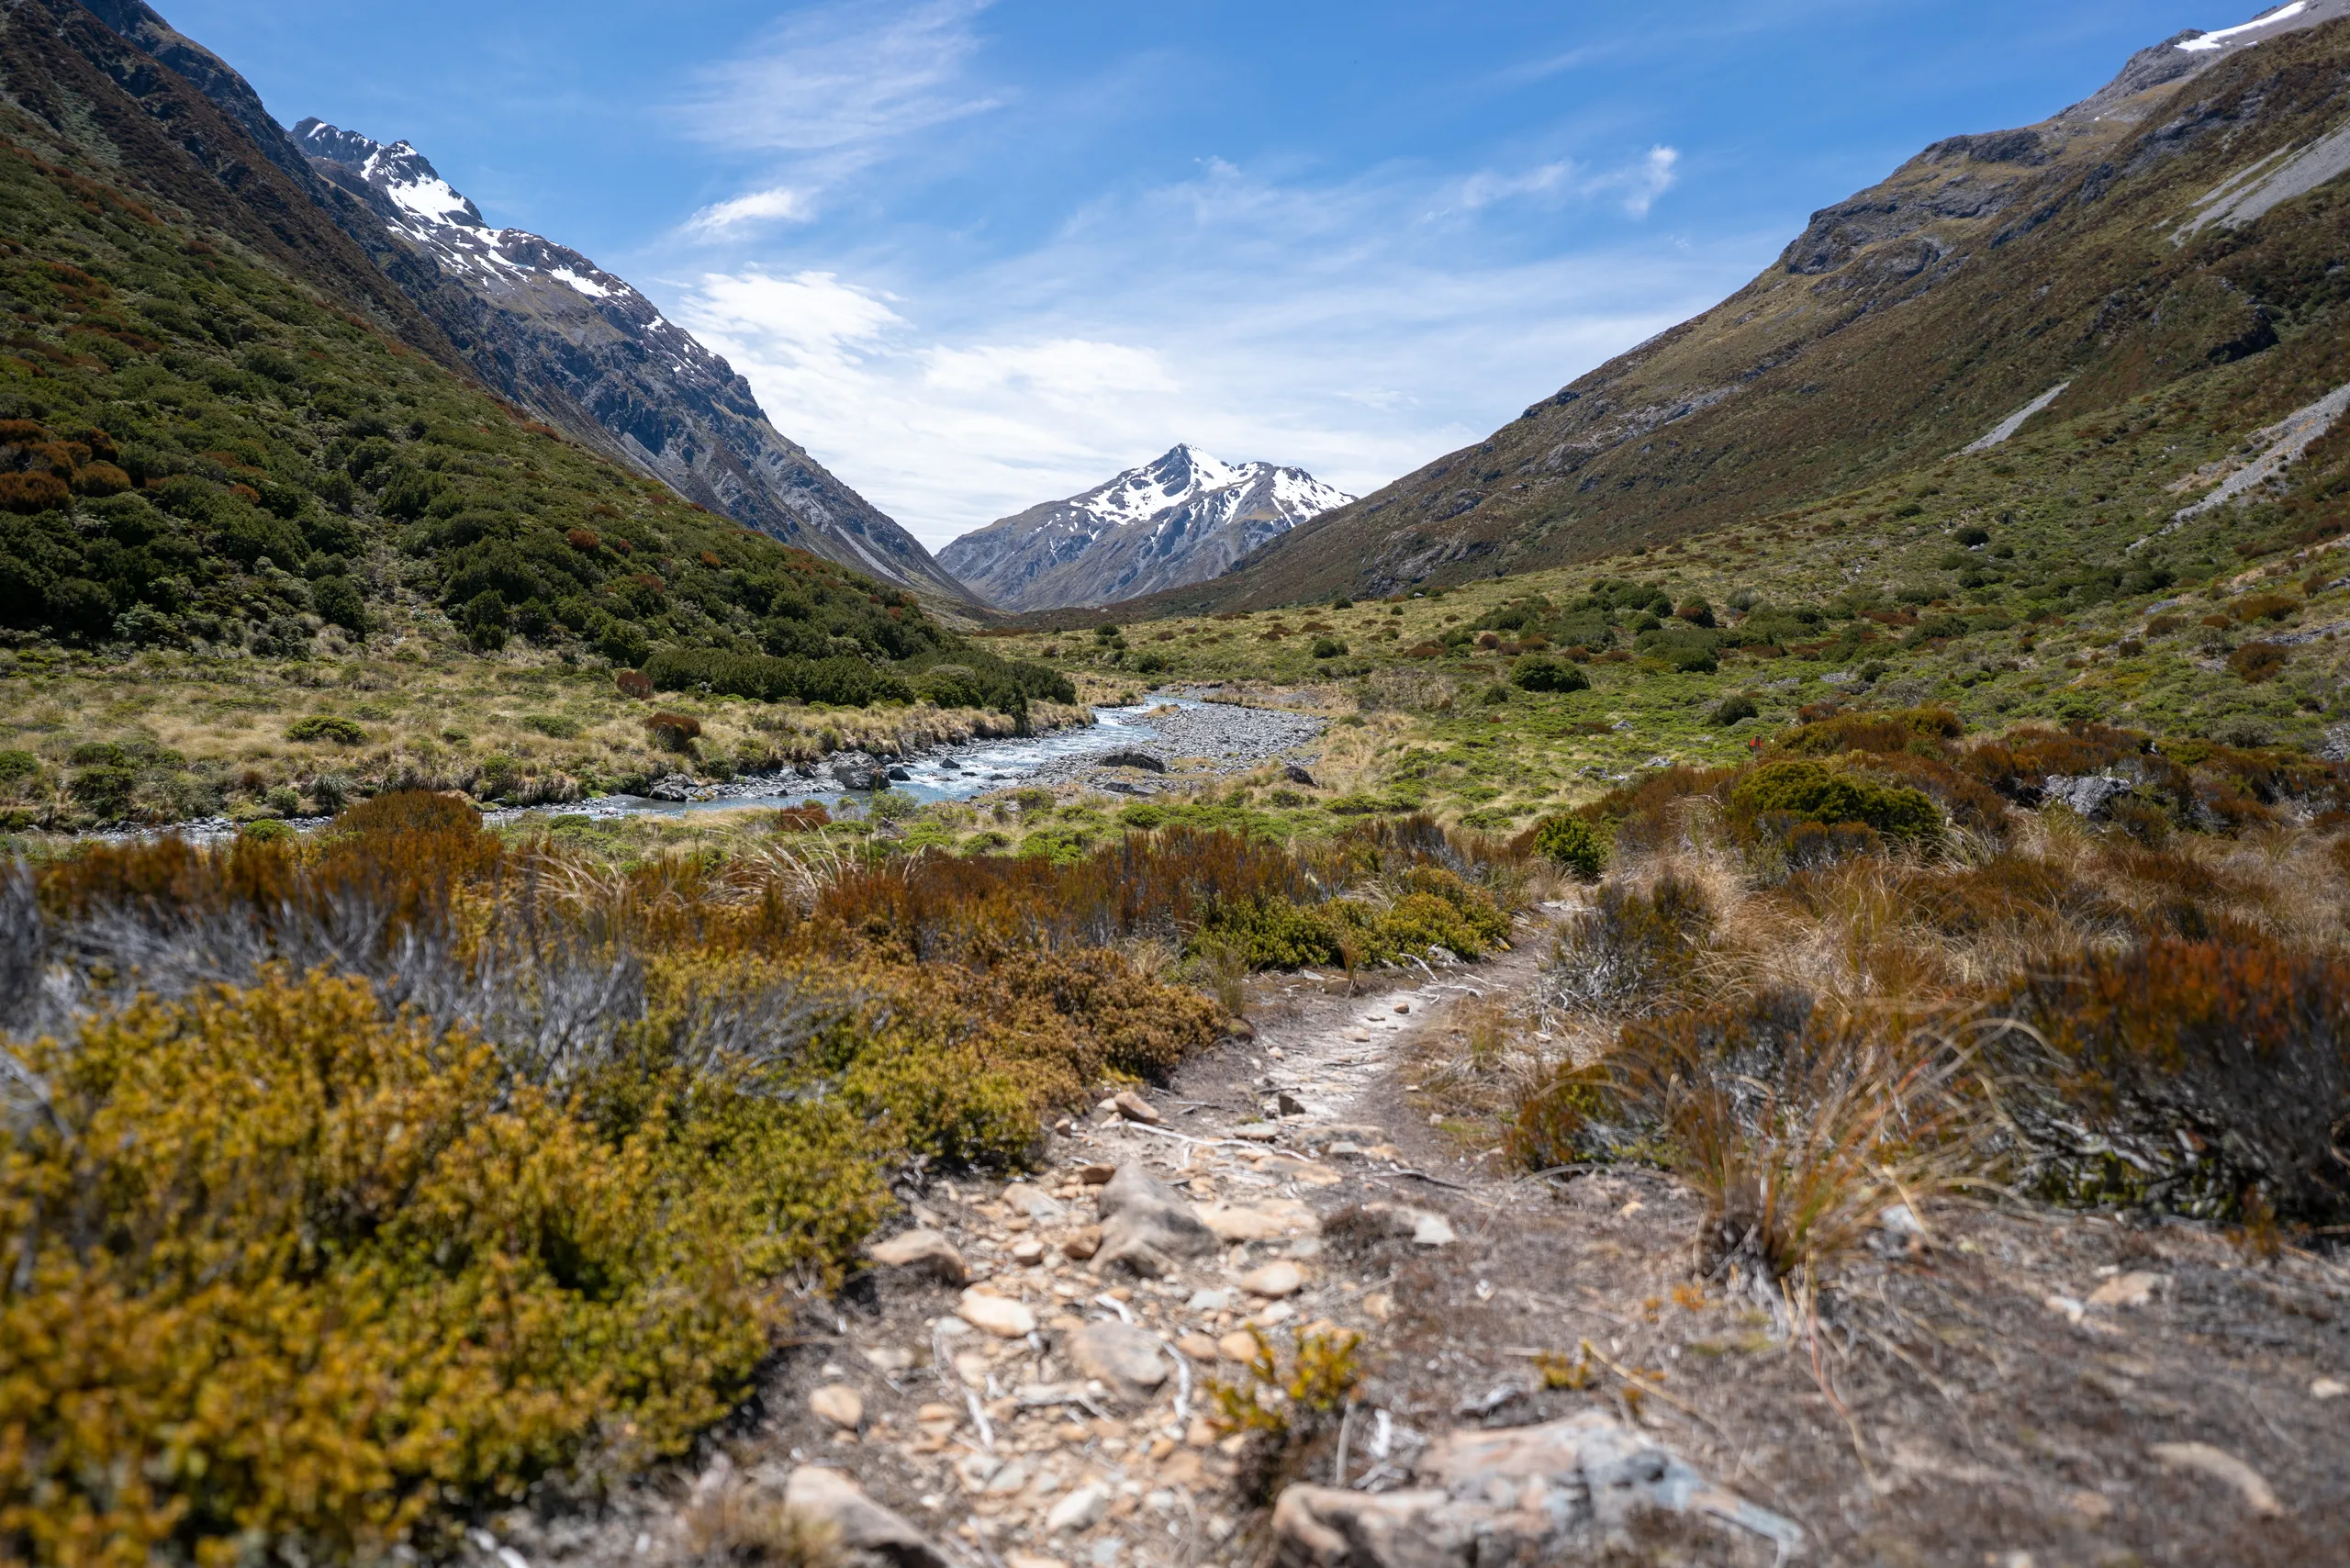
column 556, row 332
column 398, row 170
column 1184, row 517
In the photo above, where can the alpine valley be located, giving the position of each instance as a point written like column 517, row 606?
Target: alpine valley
column 1753, row 969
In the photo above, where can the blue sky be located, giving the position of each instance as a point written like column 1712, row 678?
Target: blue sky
column 980, row 256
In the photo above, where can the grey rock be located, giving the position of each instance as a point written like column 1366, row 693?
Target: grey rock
column 1557, row 1493
column 2090, row 795
column 1422, row 1227
column 1132, row 758
column 1296, row 773
column 857, row 770
column 923, row 1252
column 899, row 775
column 867, row 1529
column 1127, row 1360
column 1145, row 1227
column 675, row 787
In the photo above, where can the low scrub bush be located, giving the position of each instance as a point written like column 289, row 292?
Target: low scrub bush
column 1541, row 673
column 1568, row 841
column 1798, row 1127
column 329, row 728
column 2206, row 1078
column 1818, row 793
column 1635, row 948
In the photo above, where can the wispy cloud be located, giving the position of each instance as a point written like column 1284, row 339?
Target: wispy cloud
column 1635, row 185
column 779, row 205
column 829, row 92
column 1323, row 324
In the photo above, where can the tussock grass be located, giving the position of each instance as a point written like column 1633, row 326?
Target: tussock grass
column 214, row 736
column 2139, row 1011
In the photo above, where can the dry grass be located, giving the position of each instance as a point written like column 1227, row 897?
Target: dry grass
column 524, row 730
column 1802, row 1043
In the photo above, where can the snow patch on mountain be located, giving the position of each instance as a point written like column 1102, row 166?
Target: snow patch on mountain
column 2219, row 39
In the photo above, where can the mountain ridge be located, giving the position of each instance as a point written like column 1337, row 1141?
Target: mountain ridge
column 1182, row 517
column 1898, row 326
column 547, row 326
column 581, row 364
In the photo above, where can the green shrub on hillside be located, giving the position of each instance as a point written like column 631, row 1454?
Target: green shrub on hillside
column 1570, row 841
column 1818, row 793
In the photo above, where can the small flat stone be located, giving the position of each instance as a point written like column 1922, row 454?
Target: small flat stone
column 1135, row 1108
column 1032, row 1202
column 1097, row 1175
column 889, row 1357
column 860, row 1524
column 2328, row 1388
column 2223, row 1466
column 1197, row 1345
column 1235, row 1225
column 922, row 1252
column 1082, row 1243
column 1359, row 1035
column 1129, row 1360
column 1082, row 1509
column 1028, row 1251
column 840, row 1405
column 1031, row 1559
column 1403, row 1007
column 2133, row 1289
column 1237, row 1346
column 1274, row 1280
column 1211, row 1301
column 1000, row 1315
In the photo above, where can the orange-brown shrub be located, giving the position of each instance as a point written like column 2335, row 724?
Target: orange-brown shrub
column 633, row 683
column 2257, row 662
column 2194, row 1076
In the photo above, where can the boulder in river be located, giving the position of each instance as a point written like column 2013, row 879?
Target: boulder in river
column 859, row 770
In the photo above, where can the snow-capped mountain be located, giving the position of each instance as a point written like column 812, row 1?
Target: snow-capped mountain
column 1178, row 520
column 548, row 328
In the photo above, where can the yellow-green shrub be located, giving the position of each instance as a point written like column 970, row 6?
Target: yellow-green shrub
column 296, row 1269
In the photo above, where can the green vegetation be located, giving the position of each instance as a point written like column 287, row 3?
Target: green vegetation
column 435, row 1250
column 199, row 453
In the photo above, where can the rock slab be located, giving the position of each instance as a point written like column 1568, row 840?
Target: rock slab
column 865, row 1527
column 1555, row 1492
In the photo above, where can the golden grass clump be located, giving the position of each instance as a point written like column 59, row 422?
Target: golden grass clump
column 2142, row 1010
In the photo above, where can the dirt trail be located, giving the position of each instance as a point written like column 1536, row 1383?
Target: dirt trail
column 2019, row 1388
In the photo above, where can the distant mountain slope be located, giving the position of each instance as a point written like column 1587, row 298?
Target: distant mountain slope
column 605, row 368
column 547, row 326
column 223, row 430
column 2183, row 217
column 1178, row 520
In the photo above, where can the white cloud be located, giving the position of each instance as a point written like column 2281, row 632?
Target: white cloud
column 1650, row 180
column 1323, row 325
column 1485, row 188
column 830, row 90
column 1639, row 184
column 780, row 205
